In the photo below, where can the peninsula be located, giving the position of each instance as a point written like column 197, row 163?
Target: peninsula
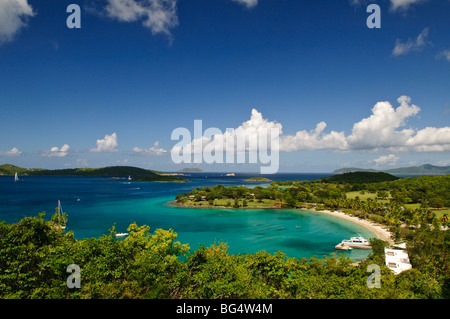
column 136, row 173
column 191, row 170
column 378, row 198
column 258, row 179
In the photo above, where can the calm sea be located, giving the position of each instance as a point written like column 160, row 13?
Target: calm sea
column 94, row 205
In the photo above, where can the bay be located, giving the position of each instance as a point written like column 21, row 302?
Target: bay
column 94, row 205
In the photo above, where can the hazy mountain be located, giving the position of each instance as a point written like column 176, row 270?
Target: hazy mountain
column 425, row 169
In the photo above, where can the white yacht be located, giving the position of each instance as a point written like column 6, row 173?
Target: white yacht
column 122, row 234
column 357, row 242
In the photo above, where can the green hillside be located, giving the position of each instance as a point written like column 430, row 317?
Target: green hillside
column 138, row 174
column 360, row 178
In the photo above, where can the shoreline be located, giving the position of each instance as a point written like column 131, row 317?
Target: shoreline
column 379, row 230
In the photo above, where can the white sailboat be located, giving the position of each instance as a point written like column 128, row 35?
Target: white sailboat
column 122, row 234
column 16, row 178
column 60, row 213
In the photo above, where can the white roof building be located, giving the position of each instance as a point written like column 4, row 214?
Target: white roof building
column 397, row 260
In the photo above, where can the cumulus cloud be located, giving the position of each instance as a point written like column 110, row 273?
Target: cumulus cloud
column 155, row 150
column 412, row 44
column 13, row 17
column 160, row 16
column 107, row 144
column 243, row 139
column 314, row 140
column 384, row 130
column 57, row 152
column 380, row 130
column 12, row 152
column 386, row 160
column 247, row 3
column 403, row 5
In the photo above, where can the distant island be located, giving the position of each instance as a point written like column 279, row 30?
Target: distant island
column 426, row 169
column 257, row 179
column 191, row 170
column 137, row 174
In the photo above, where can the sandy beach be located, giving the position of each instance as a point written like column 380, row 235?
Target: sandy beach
column 379, row 230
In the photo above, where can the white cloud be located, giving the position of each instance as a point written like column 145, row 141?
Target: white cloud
column 416, row 44
column 57, row 152
column 12, row 152
column 152, row 151
column 444, row 54
column 108, row 144
column 384, row 130
column 403, row 5
column 247, row 3
column 443, row 163
column 380, row 130
column 13, row 17
column 314, row 140
column 249, row 131
column 386, row 160
column 160, row 16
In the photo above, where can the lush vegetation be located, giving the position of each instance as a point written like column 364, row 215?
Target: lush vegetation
column 360, row 178
column 406, row 201
column 110, row 171
column 35, row 254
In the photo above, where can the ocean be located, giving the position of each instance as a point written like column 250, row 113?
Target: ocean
column 95, row 204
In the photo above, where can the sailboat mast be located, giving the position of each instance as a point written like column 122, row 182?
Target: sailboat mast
column 59, row 211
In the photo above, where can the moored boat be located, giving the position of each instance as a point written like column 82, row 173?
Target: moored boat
column 122, row 234
column 357, row 242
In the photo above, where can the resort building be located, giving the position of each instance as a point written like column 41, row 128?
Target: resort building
column 397, row 260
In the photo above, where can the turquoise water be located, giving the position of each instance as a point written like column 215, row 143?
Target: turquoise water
column 95, row 204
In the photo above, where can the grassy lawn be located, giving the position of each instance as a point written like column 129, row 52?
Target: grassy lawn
column 366, row 195
column 441, row 211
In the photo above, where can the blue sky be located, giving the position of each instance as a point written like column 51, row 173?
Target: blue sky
column 111, row 92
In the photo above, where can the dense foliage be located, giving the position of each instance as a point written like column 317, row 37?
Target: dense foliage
column 360, row 177
column 109, row 171
column 409, row 201
column 34, row 256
